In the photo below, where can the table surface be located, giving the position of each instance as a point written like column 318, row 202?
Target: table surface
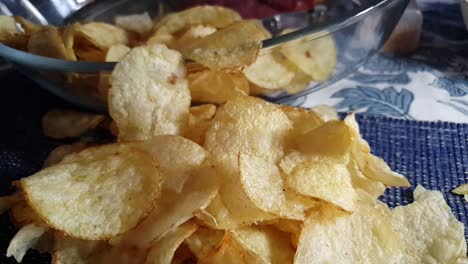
column 430, row 84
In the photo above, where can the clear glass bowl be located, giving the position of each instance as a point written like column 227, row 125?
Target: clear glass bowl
column 359, row 28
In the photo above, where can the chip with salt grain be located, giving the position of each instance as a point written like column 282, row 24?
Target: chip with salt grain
column 159, row 74
column 60, row 123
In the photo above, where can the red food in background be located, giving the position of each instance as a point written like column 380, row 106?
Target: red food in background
column 258, row 8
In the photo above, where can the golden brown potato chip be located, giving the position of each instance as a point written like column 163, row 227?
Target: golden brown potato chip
column 173, row 209
column 233, row 47
column 139, row 23
column 315, row 57
column 231, row 252
column 28, row 26
column 214, row 16
column 216, row 87
column 158, row 74
column 204, row 240
column 365, row 236
column 162, row 252
column 462, row 190
column 48, row 42
column 24, row 239
column 22, row 214
column 7, row 202
column 270, row 244
column 270, row 71
column 101, row 35
column 326, row 181
column 68, row 250
column 95, row 183
column 60, row 152
column 183, row 255
column 59, row 124
column 199, row 121
column 429, row 230
column 10, row 35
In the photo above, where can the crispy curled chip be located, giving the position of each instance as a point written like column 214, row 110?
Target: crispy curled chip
column 233, row 47
column 214, row 16
column 95, row 183
column 48, row 42
column 60, row 123
column 139, row 23
column 60, row 152
column 199, row 121
column 162, row 252
column 7, row 202
column 270, row 71
column 157, row 73
column 360, row 181
column 101, row 35
column 216, row 87
column 203, row 241
column 326, row 181
column 315, row 57
column 429, row 230
column 24, row 239
column 263, row 184
column 173, row 209
column 462, row 190
column 270, row 244
column 326, row 236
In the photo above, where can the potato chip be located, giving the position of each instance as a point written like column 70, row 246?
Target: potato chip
column 326, row 113
column 462, row 190
column 263, row 184
column 233, row 47
column 429, row 230
column 173, row 209
column 360, row 181
column 22, row 214
column 101, row 35
column 60, row 152
column 290, row 226
column 302, row 119
column 203, row 241
column 139, row 23
column 216, row 87
column 165, row 39
column 199, row 121
column 299, row 82
column 158, row 73
column 328, row 142
column 10, row 35
column 95, row 183
column 315, row 57
column 217, row 216
column 183, row 255
column 7, row 202
column 231, row 252
column 114, row 54
column 365, row 236
column 8, row 25
column 28, row 26
column 270, row 244
column 270, row 70
column 162, row 252
column 166, row 151
column 192, row 34
column 25, row 239
column 214, row 16
column 48, row 42
column 68, row 250
column 59, row 124
column 326, row 181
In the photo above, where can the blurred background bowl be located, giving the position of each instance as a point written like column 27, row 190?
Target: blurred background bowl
column 359, row 28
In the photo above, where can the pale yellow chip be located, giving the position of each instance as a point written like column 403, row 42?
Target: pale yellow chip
column 101, row 35
column 315, row 57
column 326, row 181
column 162, row 252
column 155, row 100
column 429, row 230
column 192, row 34
column 204, row 240
column 365, row 236
column 199, row 121
column 326, row 113
column 59, row 123
column 299, row 82
column 270, row 244
column 462, row 190
column 114, row 54
column 8, row 25
column 360, row 181
column 303, row 120
column 270, row 71
column 68, row 250
column 216, row 87
column 233, row 47
column 95, row 182
column 263, row 184
column 24, row 239
column 139, row 23
column 48, row 42
column 60, row 152
column 293, row 227
column 214, row 16
column 7, row 202
column 173, row 209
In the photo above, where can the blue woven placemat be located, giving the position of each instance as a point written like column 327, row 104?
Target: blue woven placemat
column 434, row 155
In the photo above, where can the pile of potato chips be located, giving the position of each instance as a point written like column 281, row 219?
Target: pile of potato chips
column 246, row 181
column 216, row 44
